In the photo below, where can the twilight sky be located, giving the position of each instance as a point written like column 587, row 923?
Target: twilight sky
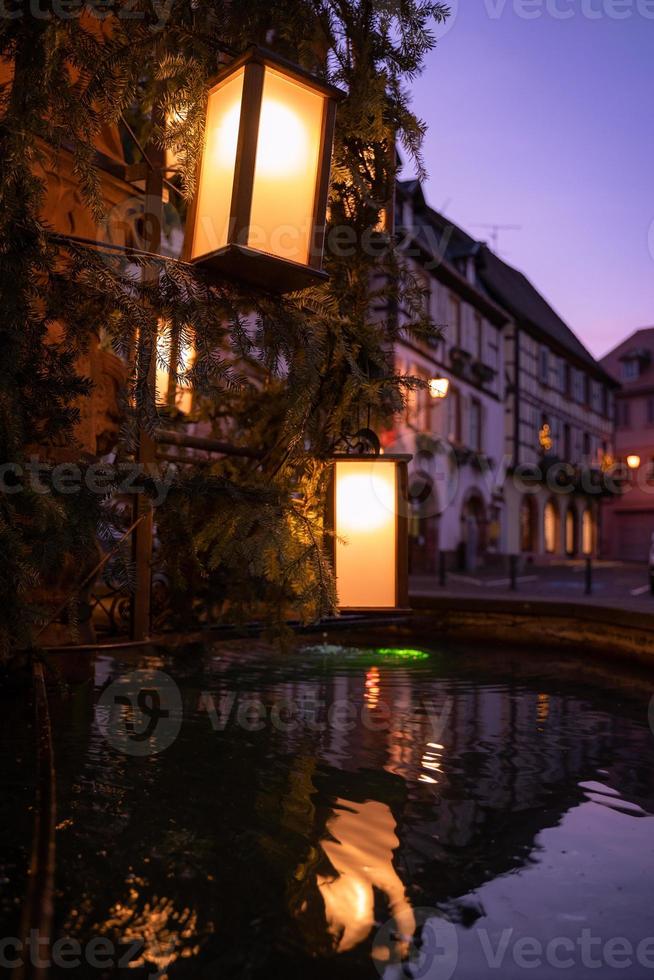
column 548, row 123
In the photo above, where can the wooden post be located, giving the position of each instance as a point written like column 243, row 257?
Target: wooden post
column 146, row 449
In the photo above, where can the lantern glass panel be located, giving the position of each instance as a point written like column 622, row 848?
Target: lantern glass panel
column 366, row 518
column 286, row 168
column 218, row 165
column 185, row 358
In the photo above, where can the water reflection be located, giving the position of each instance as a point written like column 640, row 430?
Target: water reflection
column 360, row 845
column 275, row 848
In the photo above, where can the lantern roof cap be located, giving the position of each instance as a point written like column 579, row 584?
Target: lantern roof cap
column 373, row 457
column 255, row 54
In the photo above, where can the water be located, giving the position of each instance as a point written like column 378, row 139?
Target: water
column 377, row 809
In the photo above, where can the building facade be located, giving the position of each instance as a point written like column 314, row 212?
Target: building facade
column 527, row 424
column 457, row 440
column 629, row 518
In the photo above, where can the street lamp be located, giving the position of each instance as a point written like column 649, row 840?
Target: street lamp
column 368, row 515
column 439, row 387
column 259, row 211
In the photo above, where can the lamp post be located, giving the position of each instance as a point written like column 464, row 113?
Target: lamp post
column 259, row 210
column 367, row 512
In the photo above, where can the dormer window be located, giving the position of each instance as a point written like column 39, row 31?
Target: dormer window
column 633, row 362
column 630, row 369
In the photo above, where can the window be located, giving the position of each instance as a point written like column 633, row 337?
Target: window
column 424, row 282
column 623, row 413
column 544, row 366
column 567, row 443
column 630, row 369
column 551, row 527
column 475, row 425
column 587, row 446
column 587, row 532
column 454, row 416
column 493, row 349
column 578, row 386
column 567, row 379
column 477, row 337
column 455, row 320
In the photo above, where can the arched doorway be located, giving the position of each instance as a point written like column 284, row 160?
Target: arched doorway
column 473, row 532
column 588, row 531
column 528, row 524
column 551, row 522
column 571, row 531
column 423, row 524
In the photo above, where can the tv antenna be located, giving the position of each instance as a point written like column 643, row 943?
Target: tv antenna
column 495, row 230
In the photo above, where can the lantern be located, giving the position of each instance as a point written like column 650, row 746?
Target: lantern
column 368, row 515
column 259, row 211
column 174, row 357
column 439, row 387
column 633, row 461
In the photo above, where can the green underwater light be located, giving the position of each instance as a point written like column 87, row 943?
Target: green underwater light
column 402, row 653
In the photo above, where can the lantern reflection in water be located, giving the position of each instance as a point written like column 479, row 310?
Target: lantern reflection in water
column 360, row 844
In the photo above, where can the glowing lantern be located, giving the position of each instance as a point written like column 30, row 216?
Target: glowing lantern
column 174, row 358
column 259, row 212
column 439, row 387
column 368, row 515
column 633, row 461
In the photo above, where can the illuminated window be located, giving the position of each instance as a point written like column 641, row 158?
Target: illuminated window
column 551, row 527
column 587, row 532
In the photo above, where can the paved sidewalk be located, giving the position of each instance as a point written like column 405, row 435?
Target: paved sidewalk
column 620, row 585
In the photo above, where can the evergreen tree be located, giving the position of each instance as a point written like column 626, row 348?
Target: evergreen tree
column 285, row 376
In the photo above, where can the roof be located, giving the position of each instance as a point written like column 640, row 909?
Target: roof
column 506, row 285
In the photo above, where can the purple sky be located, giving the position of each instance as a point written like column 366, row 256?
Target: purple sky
column 548, row 123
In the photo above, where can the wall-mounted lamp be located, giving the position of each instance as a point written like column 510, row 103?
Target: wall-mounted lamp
column 259, row 211
column 439, row 387
column 633, row 461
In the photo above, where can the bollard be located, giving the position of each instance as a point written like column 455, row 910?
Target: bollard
column 513, row 572
column 589, row 577
column 442, row 576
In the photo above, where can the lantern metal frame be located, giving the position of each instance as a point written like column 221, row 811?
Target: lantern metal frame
column 401, row 461
column 239, row 261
